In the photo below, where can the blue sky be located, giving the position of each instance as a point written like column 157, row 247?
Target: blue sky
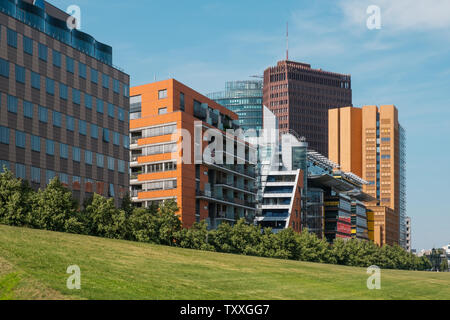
column 406, row 63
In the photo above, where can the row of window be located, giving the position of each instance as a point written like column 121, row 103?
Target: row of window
column 159, row 131
column 159, row 149
column 160, row 185
column 57, row 117
column 63, row 91
column 50, row 145
column 21, row 173
column 43, row 53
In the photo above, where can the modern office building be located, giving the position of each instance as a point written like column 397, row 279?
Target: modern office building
column 245, row 99
column 301, row 96
column 173, row 130
column 304, row 190
column 64, row 106
column 343, row 207
column 370, row 142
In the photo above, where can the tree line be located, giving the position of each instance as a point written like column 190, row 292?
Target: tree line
column 55, row 209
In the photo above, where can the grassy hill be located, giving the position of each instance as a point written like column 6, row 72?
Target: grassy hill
column 33, row 265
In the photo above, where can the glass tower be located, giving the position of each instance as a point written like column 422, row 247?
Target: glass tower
column 245, row 99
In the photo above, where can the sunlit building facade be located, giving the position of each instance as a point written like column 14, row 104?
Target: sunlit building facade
column 370, row 142
column 168, row 166
column 64, row 106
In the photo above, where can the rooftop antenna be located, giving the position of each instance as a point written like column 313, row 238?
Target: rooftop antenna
column 287, row 41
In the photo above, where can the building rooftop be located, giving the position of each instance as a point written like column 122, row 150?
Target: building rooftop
column 52, row 21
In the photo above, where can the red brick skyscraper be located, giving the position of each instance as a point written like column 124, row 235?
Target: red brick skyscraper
column 300, row 97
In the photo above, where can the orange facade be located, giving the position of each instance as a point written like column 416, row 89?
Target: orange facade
column 366, row 141
column 156, row 148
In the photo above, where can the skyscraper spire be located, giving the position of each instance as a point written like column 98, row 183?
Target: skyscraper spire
column 287, row 40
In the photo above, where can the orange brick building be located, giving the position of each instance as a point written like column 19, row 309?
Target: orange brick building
column 369, row 142
column 164, row 164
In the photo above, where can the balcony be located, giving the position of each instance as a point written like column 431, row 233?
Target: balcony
column 135, row 193
column 218, row 196
column 135, row 140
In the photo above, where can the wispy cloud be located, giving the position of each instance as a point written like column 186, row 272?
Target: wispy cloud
column 401, row 15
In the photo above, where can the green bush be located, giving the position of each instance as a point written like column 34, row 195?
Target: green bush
column 54, row 209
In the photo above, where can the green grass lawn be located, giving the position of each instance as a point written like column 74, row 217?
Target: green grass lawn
column 33, row 265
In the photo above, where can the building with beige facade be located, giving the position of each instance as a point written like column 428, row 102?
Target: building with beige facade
column 370, row 142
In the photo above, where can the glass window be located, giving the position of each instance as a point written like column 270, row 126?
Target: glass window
column 126, row 142
column 64, row 178
column 27, row 45
column 43, row 114
column 70, row 123
column 162, row 110
column 35, row 175
column 111, row 163
column 88, row 101
column 126, row 90
column 4, row 135
column 88, row 157
column 182, row 102
column 111, row 192
column 57, row 119
column 100, row 106
column 70, row 65
column 4, row 163
column 63, row 91
column 50, row 86
column 105, row 81
column 43, row 52
column 20, row 74
column 82, row 127
column 82, row 69
column 35, row 80
column 76, row 96
column 121, row 166
column 100, row 160
column 20, row 139
column 36, row 143
column 28, row 109
column 105, row 135
column 121, row 114
column 4, row 68
column 111, row 110
column 64, row 151
column 49, row 175
column 94, row 131
column 116, row 138
column 21, row 171
column 94, row 75
column 116, row 85
column 56, row 59
column 12, row 38
column 76, row 154
column 12, row 104
column 162, row 94
column 50, row 147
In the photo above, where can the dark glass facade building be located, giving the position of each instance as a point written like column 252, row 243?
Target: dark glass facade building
column 64, row 107
column 245, row 99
